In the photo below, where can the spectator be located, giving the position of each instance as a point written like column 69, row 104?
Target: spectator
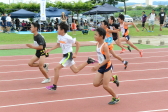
column 144, row 17
column 0, row 25
column 152, row 18
column 81, row 22
column 17, row 22
column 3, row 18
column 63, row 17
column 85, row 29
column 28, row 26
column 50, row 27
column 162, row 17
column 9, row 23
column 74, row 26
column 56, row 24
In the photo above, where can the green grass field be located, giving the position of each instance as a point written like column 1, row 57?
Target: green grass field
column 52, row 38
column 14, row 52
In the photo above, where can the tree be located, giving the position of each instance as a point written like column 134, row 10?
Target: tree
column 112, row 2
column 129, row 8
column 139, row 8
column 124, row 5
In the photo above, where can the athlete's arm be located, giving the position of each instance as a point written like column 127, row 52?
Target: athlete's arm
column 40, row 47
column 131, row 23
column 77, row 49
column 55, row 47
column 112, row 31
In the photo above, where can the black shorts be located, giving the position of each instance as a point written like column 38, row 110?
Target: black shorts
column 143, row 24
column 41, row 53
column 115, row 38
column 104, row 68
column 161, row 21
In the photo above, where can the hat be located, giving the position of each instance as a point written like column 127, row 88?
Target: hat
column 162, row 9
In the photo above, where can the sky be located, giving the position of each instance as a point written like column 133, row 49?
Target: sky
column 137, row 1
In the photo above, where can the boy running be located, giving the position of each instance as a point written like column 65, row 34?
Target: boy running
column 125, row 32
column 114, row 26
column 109, row 41
column 104, row 68
column 65, row 41
column 39, row 45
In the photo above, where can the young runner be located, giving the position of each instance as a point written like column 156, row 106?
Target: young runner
column 65, row 42
column 104, row 68
column 125, row 32
column 39, row 45
column 114, row 26
column 109, row 41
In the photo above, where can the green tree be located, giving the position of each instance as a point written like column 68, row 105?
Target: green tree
column 149, row 7
column 129, row 8
column 124, row 1
column 139, row 8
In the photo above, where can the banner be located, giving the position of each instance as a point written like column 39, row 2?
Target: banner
column 43, row 10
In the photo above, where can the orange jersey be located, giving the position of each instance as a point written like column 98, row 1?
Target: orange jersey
column 124, row 30
column 101, row 55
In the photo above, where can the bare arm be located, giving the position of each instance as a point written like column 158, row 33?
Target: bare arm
column 131, row 23
column 56, row 46
column 112, row 31
column 35, row 47
column 77, row 49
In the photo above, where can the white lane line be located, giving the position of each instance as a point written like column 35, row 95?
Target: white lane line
column 82, row 98
column 87, row 56
column 90, row 52
column 86, row 66
column 86, row 84
column 159, row 110
column 90, row 66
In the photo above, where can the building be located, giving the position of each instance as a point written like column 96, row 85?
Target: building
column 149, row 2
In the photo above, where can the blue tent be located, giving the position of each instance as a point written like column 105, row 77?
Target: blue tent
column 23, row 14
column 54, row 12
column 104, row 9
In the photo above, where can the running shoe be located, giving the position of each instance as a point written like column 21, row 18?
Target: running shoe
column 51, row 88
column 114, row 101
column 125, row 64
column 115, row 80
column 46, row 81
column 123, row 50
column 46, row 67
column 129, row 48
column 141, row 53
column 91, row 61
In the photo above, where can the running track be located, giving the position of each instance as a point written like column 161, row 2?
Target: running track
column 143, row 86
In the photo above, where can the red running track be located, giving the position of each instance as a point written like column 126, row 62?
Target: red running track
column 143, row 86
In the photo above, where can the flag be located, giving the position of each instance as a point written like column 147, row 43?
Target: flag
column 43, row 10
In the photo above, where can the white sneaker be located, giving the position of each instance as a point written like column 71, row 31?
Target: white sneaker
column 46, row 81
column 46, row 68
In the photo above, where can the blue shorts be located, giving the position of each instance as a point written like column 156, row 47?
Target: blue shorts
column 9, row 24
column 0, row 23
column 104, row 68
column 4, row 25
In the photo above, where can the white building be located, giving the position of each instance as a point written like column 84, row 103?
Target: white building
column 149, row 2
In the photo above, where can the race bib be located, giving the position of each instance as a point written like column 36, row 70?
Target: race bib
column 162, row 14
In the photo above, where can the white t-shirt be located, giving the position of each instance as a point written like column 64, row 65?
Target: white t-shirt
column 66, row 42
column 152, row 16
column 8, row 19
